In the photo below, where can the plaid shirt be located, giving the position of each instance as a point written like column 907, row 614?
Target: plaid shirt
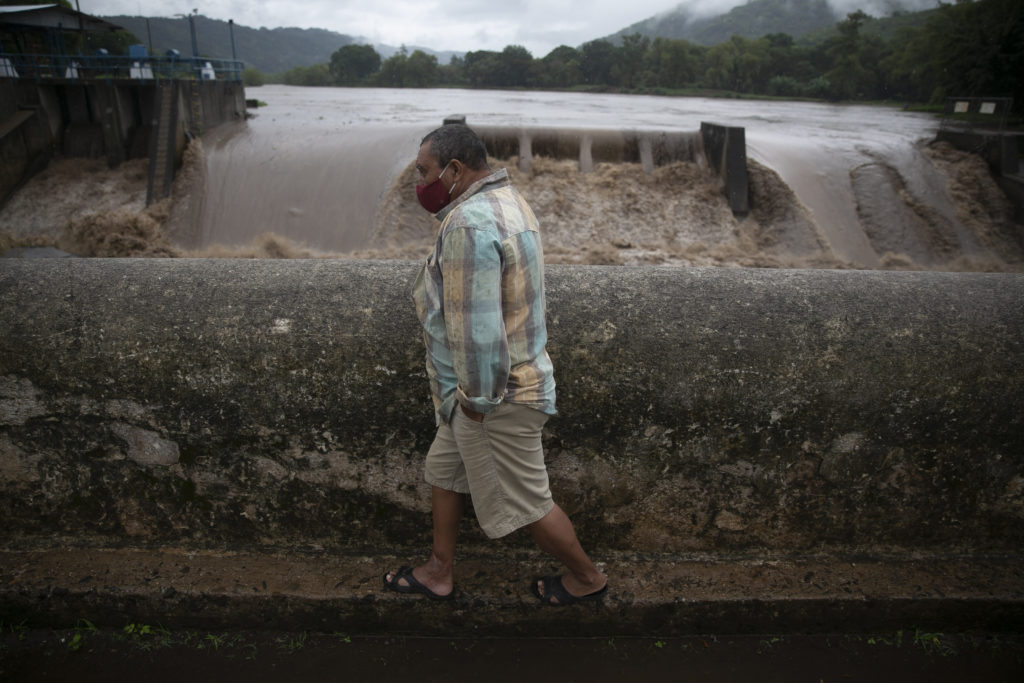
column 480, row 299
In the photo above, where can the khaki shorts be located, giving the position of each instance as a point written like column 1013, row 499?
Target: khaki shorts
column 499, row 462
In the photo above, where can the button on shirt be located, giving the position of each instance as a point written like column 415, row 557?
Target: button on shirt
column 480, row 299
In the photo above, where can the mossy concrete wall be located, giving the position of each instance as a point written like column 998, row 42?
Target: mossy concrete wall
column 283, row 405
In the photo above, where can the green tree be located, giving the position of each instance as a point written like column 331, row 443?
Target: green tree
column 513, row 67
column 721, row 71
column 392, row 71
column 560, row 68
column 818, row 88
column 316, row 75
column 253, row 77
column 596, row 62
column 972, row 49
column 784, row 86
column 454, row 72
column 752, row 64
column 782, row 54
column 402, row 70
column 354, row 64
column 673, row 63
column 421, row 70
column 482, row 67
column 628, row 61
column 851, row 55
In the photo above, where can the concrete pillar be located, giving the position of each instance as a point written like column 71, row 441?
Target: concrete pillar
column 586, row 155
column 525, row 152
column 646, row 154
column 726, row 150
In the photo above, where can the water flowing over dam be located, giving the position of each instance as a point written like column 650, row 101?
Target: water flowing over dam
column 831, row 186
column 615, row 180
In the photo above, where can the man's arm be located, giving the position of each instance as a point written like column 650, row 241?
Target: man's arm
column 471, row 270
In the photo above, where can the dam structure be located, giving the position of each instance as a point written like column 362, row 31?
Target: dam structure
column 210, row 443
column 54, row 103
column 722, row 149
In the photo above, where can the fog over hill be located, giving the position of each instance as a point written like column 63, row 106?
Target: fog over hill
column 709, row 22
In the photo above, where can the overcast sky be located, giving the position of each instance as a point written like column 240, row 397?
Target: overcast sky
column 460, row 25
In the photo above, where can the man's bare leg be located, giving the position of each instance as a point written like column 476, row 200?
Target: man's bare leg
column 556, row 536
column 436, row 572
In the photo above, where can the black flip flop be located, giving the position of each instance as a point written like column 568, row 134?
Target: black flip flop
column 413, row 586
column 553, row 588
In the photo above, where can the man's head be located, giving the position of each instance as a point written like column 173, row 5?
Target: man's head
column 456, row 141
column 452, row 156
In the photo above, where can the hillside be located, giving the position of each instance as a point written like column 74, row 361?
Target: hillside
column 752, row 20
column 884, row 28
column 809, row 21
column 269, row 50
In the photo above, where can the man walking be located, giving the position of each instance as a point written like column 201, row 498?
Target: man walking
column 480, row 299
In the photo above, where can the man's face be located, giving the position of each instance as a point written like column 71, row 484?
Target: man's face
column 426, row 165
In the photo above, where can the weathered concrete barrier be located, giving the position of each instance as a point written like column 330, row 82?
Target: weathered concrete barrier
column 705, row 416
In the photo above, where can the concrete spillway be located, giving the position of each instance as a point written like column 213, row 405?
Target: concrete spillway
column 723, row 434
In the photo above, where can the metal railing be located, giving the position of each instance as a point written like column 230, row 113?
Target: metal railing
column 40, row 67
column 970, row 113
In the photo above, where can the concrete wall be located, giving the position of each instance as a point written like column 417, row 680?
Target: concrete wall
column 222, row 101
column 25, row 143
column 1000, row 150
column 721, row 412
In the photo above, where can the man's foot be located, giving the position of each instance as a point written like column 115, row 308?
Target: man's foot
column 551, row 590
column 403, row 581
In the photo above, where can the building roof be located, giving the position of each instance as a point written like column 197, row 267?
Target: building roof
column 52, row 16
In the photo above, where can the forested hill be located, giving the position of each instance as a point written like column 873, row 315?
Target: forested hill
column 755, row 19
column 269, row 50
column 813, row 20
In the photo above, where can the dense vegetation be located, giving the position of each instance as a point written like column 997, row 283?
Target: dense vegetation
column 963, row 49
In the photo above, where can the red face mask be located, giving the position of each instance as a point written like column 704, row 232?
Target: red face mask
column 433, row 197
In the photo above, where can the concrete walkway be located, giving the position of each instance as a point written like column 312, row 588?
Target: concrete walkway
column 649, row 595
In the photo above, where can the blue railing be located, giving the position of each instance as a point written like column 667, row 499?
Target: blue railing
column 41, row 67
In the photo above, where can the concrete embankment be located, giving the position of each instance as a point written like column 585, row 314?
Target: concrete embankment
column 223, row 442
